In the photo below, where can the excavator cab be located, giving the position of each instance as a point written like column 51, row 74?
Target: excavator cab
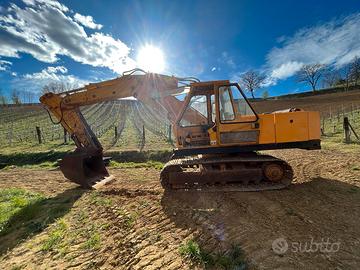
column 196, row 119
column 216, row 113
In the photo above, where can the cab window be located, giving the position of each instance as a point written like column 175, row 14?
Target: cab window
column 196, row 112
column 234, row 106
column 225, row 104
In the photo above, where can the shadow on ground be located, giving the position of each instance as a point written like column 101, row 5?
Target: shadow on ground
column 36, row 217
column 318, row 208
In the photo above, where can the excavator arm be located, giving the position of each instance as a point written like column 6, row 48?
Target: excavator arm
column 85, row 165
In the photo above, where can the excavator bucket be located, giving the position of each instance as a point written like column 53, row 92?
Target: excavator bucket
column 87, row 170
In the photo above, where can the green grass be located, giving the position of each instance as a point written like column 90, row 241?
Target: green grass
column 92, row 234
column 55, row 236
column 40, row 159
column 192, row 251
column 43, row 165
column 49, row 159
column 93, row 242
column 47, row 165
column 25, row 213
column 12, row 201
column 334, row 133
column 126, row 165
column 355, row 167
column 130, row 220
column 16, row 267
column 231, row 259
column 98, row 199
column 83, row 231
column 354, row 190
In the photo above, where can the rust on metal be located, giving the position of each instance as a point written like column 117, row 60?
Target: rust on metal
column 273, row 172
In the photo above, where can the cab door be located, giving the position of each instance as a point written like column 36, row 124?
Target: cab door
column 192, row 128
column 237, row 121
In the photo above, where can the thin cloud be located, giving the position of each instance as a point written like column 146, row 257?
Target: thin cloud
column 286, row 70
column 60, row 69
column 46, row 30
column 87, row 21
column 51, row 73
column 5, row 65
column 34, row 82
column 227, row 59
column 334, row 43
column 52, row 3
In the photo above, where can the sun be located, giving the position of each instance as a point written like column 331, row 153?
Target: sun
column 151, row 59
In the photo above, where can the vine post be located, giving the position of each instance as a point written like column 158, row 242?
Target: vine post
column 38, row 132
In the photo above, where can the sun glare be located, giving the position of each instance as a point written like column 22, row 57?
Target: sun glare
column 151, row 59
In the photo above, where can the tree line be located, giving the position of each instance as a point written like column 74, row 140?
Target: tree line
column 22, row 96
column 17, row 97
column 311, row 74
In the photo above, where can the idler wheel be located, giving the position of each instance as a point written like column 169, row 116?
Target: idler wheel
column 273, row 172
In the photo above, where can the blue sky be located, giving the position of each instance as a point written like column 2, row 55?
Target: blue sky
column 87, row 41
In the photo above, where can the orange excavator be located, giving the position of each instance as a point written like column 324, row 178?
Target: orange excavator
column 217, row 132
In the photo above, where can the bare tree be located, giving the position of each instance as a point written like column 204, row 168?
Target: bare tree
column 57, row 87
column 15, row 96
column 265, row 94
column 347, row 76
column 252, row 80
column 331, row 78
column 3, row 99
column 355, row 70
column 311, row 74
column 27, row 96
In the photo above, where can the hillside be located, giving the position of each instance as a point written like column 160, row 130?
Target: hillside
column 325, row 103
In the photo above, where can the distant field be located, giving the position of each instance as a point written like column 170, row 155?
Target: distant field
column 130, row 118
column 326, row 103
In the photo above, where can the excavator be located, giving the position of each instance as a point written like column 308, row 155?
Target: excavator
column 218, row 134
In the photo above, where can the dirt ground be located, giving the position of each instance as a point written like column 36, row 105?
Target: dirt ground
column 141, row 227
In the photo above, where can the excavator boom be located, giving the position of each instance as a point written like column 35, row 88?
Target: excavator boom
column 85, row 165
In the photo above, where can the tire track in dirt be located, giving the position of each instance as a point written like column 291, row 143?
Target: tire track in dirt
column 150, row 243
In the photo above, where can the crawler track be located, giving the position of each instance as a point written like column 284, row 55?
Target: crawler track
column 226, row 173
